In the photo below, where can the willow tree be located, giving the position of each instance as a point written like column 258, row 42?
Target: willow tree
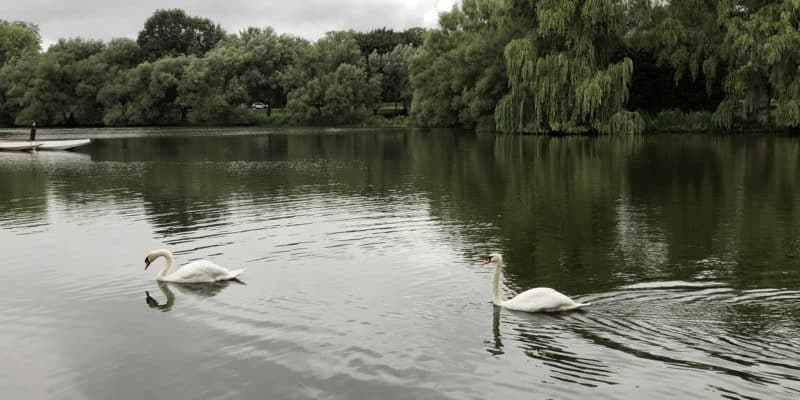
column 761, row 47
column 751, row 46
column 562, row 73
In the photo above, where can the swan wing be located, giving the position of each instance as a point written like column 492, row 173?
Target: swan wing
column 542, row 299
column 201, row 271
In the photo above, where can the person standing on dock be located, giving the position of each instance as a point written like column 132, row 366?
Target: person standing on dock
column 33, row 131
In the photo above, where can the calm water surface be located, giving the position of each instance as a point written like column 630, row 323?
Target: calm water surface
column 363, row 281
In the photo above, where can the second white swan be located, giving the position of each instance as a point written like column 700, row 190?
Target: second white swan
column 533, row 300
column 200, row 271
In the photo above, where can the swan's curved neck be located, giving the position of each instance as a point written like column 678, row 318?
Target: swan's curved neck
column 168, row 256
column 496, row 299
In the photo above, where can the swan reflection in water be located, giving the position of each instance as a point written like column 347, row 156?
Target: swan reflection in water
column 200, row 290
column 546, row 337
column 497, row 344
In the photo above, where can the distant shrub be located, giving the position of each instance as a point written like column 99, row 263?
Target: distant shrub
column 679, row 121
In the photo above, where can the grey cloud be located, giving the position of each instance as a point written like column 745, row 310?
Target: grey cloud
column 107, row 19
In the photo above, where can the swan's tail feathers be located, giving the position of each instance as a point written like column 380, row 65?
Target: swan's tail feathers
column 235, row 273
column 577, row 306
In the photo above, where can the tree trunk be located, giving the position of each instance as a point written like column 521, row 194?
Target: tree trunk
column 763, row 107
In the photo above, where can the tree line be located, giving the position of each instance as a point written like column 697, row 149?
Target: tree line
column 184, row 69
column 543, row 66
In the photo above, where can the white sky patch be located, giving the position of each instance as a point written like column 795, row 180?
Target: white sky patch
column 310, row 19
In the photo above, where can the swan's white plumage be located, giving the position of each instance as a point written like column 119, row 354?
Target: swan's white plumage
column 540, row 299
column 200, row 271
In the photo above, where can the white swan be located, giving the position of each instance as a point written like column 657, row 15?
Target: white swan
column 200, row 271
column 533, row 300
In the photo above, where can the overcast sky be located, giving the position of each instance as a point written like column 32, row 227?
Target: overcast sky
column 107, row 19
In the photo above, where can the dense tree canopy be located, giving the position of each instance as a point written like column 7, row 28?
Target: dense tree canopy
column 459, row 74
column 57, row 87
column 17, row 39
column 173, row 32
column 328, row 81
column 749, row 48
column 761, row 49
column 220, row 86
column 392, row 68
column 522, row 66
column 384, row 40
column 146, row 94
column 562, row 74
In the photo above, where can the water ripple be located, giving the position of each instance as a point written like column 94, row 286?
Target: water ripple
column 682, row 324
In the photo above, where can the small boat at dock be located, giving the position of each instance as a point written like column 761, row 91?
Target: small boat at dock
column 60, row 144
column 18, row 145
column 67, row 144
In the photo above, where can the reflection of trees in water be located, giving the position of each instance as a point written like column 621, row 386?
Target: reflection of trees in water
column 680, row 184
column 23, row 189
column 642, row 246
column 554, row 202
column 189, row 181
column 548, row 200
column 551, row 203
column 728, row 206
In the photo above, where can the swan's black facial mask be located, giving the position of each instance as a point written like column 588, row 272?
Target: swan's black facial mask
column 146, row 263
column 486, row 260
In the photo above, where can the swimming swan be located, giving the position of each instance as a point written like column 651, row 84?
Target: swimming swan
column 200, row 271
column 532, row 300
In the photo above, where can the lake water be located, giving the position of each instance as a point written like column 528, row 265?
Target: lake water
column 363, row 279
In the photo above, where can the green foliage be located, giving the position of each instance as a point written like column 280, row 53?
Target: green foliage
column 277, row 117
column 147, row 94
column 393, row 70
column 653, row 88
column 328, row 82
column 529, row 66
column 384, row 40
column 762, row 49
column 753, row 48
column 184, row 69
column 344, row 96
column 58, row 86
column 220, row 86
column 561, row 73
column 17, row 39
column 686, row 36
column 678, row 121
column 173, row 32
column 323, row 57
column 458, row 76
column 122, row 53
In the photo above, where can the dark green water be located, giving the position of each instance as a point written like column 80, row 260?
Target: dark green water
column 363, row 253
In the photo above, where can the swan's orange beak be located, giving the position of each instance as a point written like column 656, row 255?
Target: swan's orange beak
column 486, row 261
column 146, row 264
